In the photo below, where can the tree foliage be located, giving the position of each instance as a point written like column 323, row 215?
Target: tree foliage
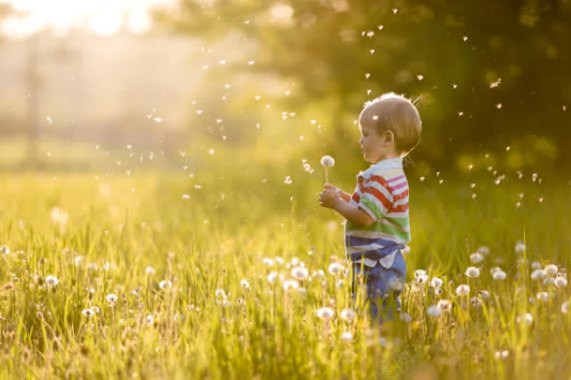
column 486, row 74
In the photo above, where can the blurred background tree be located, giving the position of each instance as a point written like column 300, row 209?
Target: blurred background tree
column 487, row 76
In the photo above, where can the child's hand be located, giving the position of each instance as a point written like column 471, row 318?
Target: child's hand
column 330, row 196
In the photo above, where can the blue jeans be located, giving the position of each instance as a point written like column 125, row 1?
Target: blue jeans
column 383, row 287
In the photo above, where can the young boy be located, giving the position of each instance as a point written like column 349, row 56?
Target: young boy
column 377, row 226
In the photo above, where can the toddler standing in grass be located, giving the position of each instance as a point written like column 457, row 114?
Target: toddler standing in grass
column 377, row 227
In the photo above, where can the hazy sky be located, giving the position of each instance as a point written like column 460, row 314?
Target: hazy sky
column 103, row 17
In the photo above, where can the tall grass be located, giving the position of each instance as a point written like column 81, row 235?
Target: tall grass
column 199, row 264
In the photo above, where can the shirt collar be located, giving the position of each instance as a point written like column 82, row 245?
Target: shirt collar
column 381, row 166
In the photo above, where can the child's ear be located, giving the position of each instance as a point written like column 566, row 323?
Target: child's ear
column 389, row 136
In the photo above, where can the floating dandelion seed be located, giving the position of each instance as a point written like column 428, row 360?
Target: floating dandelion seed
column 325, row 313
column 327, row 162
column 472, row 272
column 300, row 273
column 335, row 269
column 463, row 290
column 433, row 311
column 51, row 281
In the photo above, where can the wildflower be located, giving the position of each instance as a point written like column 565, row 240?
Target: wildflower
column 433, row 311
column 525, row 318
column 325, row 313
column 347, row 336
column 290, row 285
column 543, row 296
column 244, row 283
column 300, row 273
column 519, row 247
column 436, row 282
column 165, row 284
column 150, row 271
column 51, row 281
column 272, row 276
column 463, row 290
column 4, row 250
column 111, row 298
column 327, row 162
column 538, row 274
column 472, row 272
column 347, row 315
column 405, row 317
column 499, row 275
column 476, row 258
column 560, row 282
column 551, row 270
column 336, row 269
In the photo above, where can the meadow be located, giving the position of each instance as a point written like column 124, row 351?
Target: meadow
column 235, row 272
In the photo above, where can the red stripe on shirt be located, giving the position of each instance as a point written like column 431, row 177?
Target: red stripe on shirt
column 378, row 195
column 400, row 196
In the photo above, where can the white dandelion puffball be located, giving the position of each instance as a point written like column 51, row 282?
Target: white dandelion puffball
column 433, row 311
column 347, row 315
column 519, row 247
column 538, row 274
column 111, row 298
column 499, row 275
column 300, row 273
column 463, row 290
column 290, row 285
column 271, row 277
column 51, row 281
column 560, row 282
column 420, row 276
column 347, row 336
column 472, row 272
column 327, row 161
column 244, row 284
column 444, row 305
column 150, row 270
column 526, row 318
column 325, row 313
column 165, row 284
column 335, row 269
column 476, row 258
column 551, row 270
column 543, row 296
column 4, row 250
column 436, row 282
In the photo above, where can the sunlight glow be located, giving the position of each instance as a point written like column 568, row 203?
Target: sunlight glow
column 102, row 17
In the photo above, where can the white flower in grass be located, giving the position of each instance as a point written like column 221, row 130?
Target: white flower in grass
column 325, row 313
column 519, row 247
column 165, row 284
column 271, row 277
column 327, row 161
column 472, row 272
column 150, row 271
column 551, row 270
column 476, row 258
column 405, row 317
column 4, row 250
column 420, row 276
column 335, row 269
column 88, row 312
column 436, row 282
column 244, row 283
column 565, row 307
column 502, row 355
column 111, row 298
column 499, row 275
column 560, row 282
column 538, row 274
column 433, row 311
column 347, row 315
column 300, row 273
column 290, row 285
column 526, row 318
column 51, row 281
column 543, row 296
column 463, row 290
column 347, row 336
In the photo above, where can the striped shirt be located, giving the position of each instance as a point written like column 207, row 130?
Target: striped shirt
column 382, row 192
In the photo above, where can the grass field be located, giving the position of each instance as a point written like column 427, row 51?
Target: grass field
column 166, row 275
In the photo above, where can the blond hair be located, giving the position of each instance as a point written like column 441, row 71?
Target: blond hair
column 395, row 113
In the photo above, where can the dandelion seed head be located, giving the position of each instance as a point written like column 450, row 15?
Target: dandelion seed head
column 543, row 296
column 433, row 311
column 420, row 276
column 289, row 285
column 436, row 282
column 519, row 247
column 462, row 290
column 444, row 305
column 325, row 313
column 51, row 281
column 336, row 269
column 111, row 298
column 327, row 161
column 347, row 314
column 551, row 269
column 476, row 258
column 244, row 284
column 150, row 270
column 4, row 250
column 499, row 275
column 560, row 282
column 272, row 277
column 165, row 284
column 347, row 336
column 525, row 318
column 472, row 272
column 538, row 274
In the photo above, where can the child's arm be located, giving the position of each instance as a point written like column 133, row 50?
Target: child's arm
column 333, row 198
